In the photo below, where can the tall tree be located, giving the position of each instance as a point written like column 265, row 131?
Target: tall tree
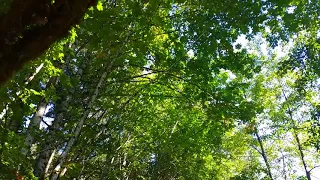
column 151, row 90
column 29, row 28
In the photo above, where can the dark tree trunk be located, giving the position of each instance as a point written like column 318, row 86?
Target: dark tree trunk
column 263, row 154
column 30, row 27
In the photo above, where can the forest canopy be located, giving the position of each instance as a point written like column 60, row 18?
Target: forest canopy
column 162, row 89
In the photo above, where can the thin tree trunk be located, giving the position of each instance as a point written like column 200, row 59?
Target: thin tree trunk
column 263, row 154
column 49, row 162
column 284, row 172
column 302, row 155
column 29, row 79
column 15, row 122
column 57, row 170
column 55, row 173
column 36, row 121
column 34, row 126
column 308, row 175
column 43, row 161
column 45, row 158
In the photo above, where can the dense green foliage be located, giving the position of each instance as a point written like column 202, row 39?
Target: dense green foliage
column 163, row 90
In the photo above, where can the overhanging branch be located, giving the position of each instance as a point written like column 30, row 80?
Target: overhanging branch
column 30, row 27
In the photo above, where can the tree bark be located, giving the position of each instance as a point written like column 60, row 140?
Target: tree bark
column 34, row 126
column 263, row 154
column 43, row 161
column 294, row 126
column 56, row 172
column 45, row 158
column 308, row 175
column 30, row 27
